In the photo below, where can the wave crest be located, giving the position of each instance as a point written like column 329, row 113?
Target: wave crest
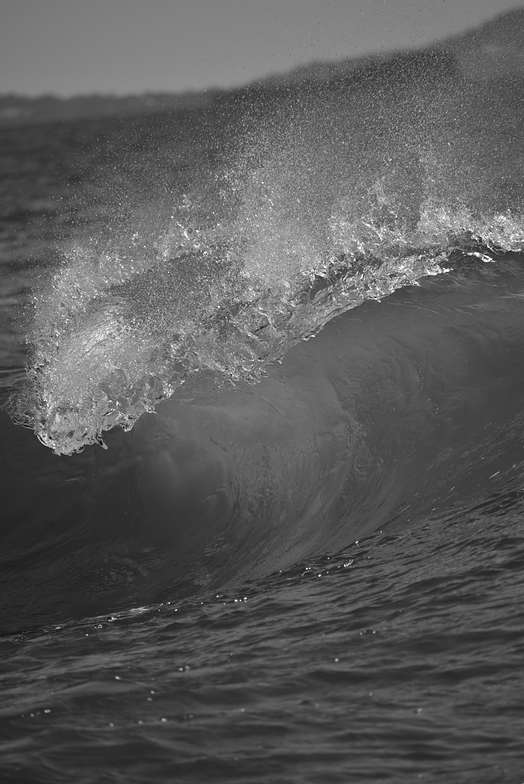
column 116, row 333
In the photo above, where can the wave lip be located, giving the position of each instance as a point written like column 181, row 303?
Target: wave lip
column 112, row 340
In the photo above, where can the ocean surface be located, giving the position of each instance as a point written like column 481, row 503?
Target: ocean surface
column 262, row 383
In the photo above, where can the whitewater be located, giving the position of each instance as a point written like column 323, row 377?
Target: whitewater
column 261, row 422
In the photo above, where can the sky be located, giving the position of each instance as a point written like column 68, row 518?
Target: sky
column 79, row 47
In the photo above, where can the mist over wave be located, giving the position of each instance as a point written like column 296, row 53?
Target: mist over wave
column 312, row 211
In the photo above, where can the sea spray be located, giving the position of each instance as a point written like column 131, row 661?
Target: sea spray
column 312, row 210
column 111, row 341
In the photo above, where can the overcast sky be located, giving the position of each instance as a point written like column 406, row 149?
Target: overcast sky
column 69, row 47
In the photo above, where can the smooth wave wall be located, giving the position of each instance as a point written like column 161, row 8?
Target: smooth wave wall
column 220, row 486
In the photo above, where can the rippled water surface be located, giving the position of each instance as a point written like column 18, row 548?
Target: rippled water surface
column 399, row 659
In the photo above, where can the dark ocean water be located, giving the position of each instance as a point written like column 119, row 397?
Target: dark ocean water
column 264, row 522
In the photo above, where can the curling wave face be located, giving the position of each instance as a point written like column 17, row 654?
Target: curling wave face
column 392, row 412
